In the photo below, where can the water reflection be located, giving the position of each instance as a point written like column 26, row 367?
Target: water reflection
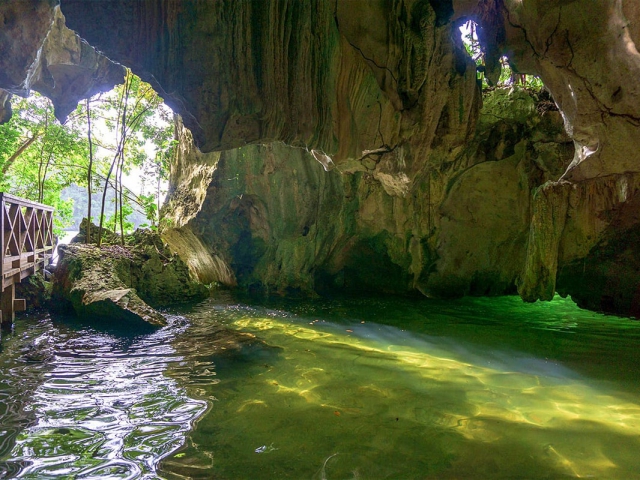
column 102, row 406
column 366, row 388
column 21, row 373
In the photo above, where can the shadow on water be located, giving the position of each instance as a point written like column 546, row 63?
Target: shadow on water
column 117, row 328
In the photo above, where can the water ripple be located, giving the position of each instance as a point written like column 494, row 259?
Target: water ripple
column 99, row 406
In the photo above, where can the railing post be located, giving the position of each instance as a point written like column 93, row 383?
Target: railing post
column 7, row 300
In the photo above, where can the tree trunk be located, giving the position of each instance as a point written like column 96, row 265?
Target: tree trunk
column 120, row 198
column 18, row 152
column 89, row 170
column 124, row 99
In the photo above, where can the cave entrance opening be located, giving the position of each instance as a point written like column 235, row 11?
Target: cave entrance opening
column 108, row 161
column 471, row 34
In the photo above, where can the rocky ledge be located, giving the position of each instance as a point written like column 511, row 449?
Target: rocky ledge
column 122, row 283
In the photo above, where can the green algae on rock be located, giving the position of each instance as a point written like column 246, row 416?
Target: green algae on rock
column 123, row 283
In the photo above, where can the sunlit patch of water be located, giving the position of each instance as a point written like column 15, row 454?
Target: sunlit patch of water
column 348, row 397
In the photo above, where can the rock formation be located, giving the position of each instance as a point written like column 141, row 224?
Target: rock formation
column 87, row 283
column 355, row 81
column 122, row 283
column 463, row 229
column 40, row 53
column 448, row 196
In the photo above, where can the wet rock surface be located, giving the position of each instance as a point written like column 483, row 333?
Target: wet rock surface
column 281, row 223
column 87, row 283
column 36, row 290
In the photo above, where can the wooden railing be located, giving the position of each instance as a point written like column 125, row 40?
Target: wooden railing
column 26, row 246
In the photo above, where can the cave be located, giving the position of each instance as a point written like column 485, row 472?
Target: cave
column 362, row 148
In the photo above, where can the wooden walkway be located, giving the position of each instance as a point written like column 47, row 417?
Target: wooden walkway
column 26, row 246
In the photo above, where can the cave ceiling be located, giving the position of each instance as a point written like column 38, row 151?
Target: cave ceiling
column 343, row 78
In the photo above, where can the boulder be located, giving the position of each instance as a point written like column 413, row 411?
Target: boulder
column 108, row 236
column 87, row 282
column 123, row 283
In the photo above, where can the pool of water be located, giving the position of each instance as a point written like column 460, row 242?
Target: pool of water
column 245, row 388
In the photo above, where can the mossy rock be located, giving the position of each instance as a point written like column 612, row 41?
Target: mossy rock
column 86, row 282
column 123, row 283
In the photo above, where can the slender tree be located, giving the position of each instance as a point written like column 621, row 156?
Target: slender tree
column 121, row 122
column 89, row 170
column 103, row 140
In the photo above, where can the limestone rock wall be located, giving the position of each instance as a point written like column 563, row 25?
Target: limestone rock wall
column 449, row 197
column 587, row 55
column 350, row 81
column 595, row 225
column 40, row 53
column 480, row 221
column 281, row 223
column 318, row 73
column 69, row 69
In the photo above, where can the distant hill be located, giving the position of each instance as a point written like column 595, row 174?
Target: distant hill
column 79, row 196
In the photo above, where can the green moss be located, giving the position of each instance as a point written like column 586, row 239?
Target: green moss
column 505, row 104
column 121, row 283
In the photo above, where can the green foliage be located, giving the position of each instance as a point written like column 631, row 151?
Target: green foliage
column 113, row 222
column 150, row 207
column 508, row 76
column 64, row 213
column 39, row 157
column 138, row 124
column 132, row 134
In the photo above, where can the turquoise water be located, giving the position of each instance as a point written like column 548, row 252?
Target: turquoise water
column 240, row 388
